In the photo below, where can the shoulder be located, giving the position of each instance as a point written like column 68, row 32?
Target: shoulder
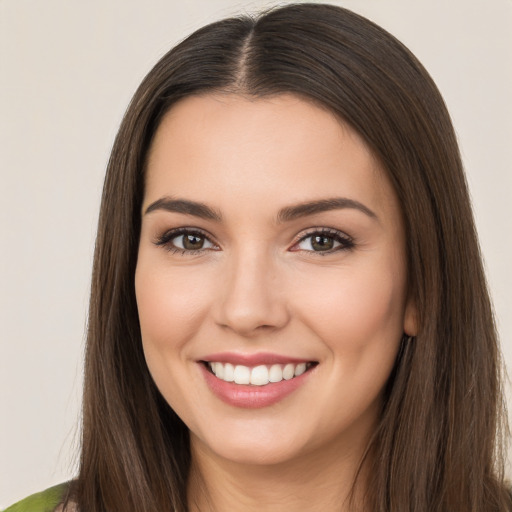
column 45, row 501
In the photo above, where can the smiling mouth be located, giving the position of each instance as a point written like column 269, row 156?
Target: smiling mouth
column 260, row 375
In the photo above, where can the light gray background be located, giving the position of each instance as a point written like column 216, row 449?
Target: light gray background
column 68, row 70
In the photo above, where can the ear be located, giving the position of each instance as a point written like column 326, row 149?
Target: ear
column 411, row 318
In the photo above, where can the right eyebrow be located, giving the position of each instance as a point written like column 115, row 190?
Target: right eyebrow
column 185, row 206
column 323, row 205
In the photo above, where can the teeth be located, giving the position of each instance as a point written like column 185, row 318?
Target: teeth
column 242, row 374
column 258, row 375
column 218, row 369
column 276, row 373
column 229, row 372
column 300, row 369
column 288, row 371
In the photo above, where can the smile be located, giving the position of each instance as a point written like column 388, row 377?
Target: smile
column 254, row 381
column 260, row 375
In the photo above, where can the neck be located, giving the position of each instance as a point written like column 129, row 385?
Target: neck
column 323, row 481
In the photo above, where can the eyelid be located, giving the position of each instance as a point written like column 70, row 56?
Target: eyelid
column 164, row 240
column 345, row 240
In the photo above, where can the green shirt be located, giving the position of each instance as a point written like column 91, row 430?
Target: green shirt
column 45, row 501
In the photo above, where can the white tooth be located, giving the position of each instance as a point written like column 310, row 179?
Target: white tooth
column 276, row 373
column 288, row 371
column 300, row 369
column 259, row 375
column 218, row 369
column 229, row 372
column 242, row 374
column 212, row 366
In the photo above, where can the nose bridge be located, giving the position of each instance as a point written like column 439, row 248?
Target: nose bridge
column 251, row 296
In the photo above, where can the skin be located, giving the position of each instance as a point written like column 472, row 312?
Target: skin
column 258, row 286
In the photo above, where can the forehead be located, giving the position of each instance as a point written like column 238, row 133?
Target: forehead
column 276, row 150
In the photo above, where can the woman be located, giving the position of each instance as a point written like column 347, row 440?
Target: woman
column 288, row 306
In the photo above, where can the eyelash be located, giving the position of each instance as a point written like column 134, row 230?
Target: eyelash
column 165, row 241
column 346, row 242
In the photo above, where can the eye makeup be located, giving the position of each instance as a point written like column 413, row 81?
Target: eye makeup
column 185, row 241
column 192, row 241
column 323, row 241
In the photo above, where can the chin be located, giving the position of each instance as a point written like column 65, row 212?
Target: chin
column 253, row 445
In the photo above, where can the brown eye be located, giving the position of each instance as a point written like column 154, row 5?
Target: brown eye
column 322, row 243
column 193, row 242
column 185, row 241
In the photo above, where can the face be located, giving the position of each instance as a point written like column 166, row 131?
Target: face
column 271, row 280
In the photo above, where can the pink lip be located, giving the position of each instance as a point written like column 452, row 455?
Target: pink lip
column 252, row 359
column 251, row 397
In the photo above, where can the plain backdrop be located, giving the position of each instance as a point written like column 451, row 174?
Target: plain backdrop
column 68, row 70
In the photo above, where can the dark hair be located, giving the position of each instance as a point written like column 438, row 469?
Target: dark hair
column 437, row 446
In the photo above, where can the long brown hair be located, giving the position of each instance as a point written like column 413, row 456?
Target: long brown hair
column 438, row 444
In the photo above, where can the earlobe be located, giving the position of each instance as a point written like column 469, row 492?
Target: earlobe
column 411, row 318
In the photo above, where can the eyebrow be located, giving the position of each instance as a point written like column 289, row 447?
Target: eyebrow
column 286, row 214
column 323, row 205
column 184, row 206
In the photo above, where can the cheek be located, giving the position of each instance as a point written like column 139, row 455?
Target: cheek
column 353, row 309
column 170, row 305
column 358, row 316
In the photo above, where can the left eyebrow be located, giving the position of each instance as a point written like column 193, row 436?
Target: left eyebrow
column 184, row 206
column 323, row 205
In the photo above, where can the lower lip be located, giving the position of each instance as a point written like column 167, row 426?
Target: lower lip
column 252, row 397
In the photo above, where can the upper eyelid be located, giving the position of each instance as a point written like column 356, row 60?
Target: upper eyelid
column 344, row 239
column 166, row 240
column 175, row 232
column 324, row 231
column 167, row 235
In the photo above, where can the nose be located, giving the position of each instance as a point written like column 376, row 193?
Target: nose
column 253, row 298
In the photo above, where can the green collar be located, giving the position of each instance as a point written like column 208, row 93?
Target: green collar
column 45, row 501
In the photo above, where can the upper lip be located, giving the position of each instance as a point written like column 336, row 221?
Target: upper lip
column 259, row 358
